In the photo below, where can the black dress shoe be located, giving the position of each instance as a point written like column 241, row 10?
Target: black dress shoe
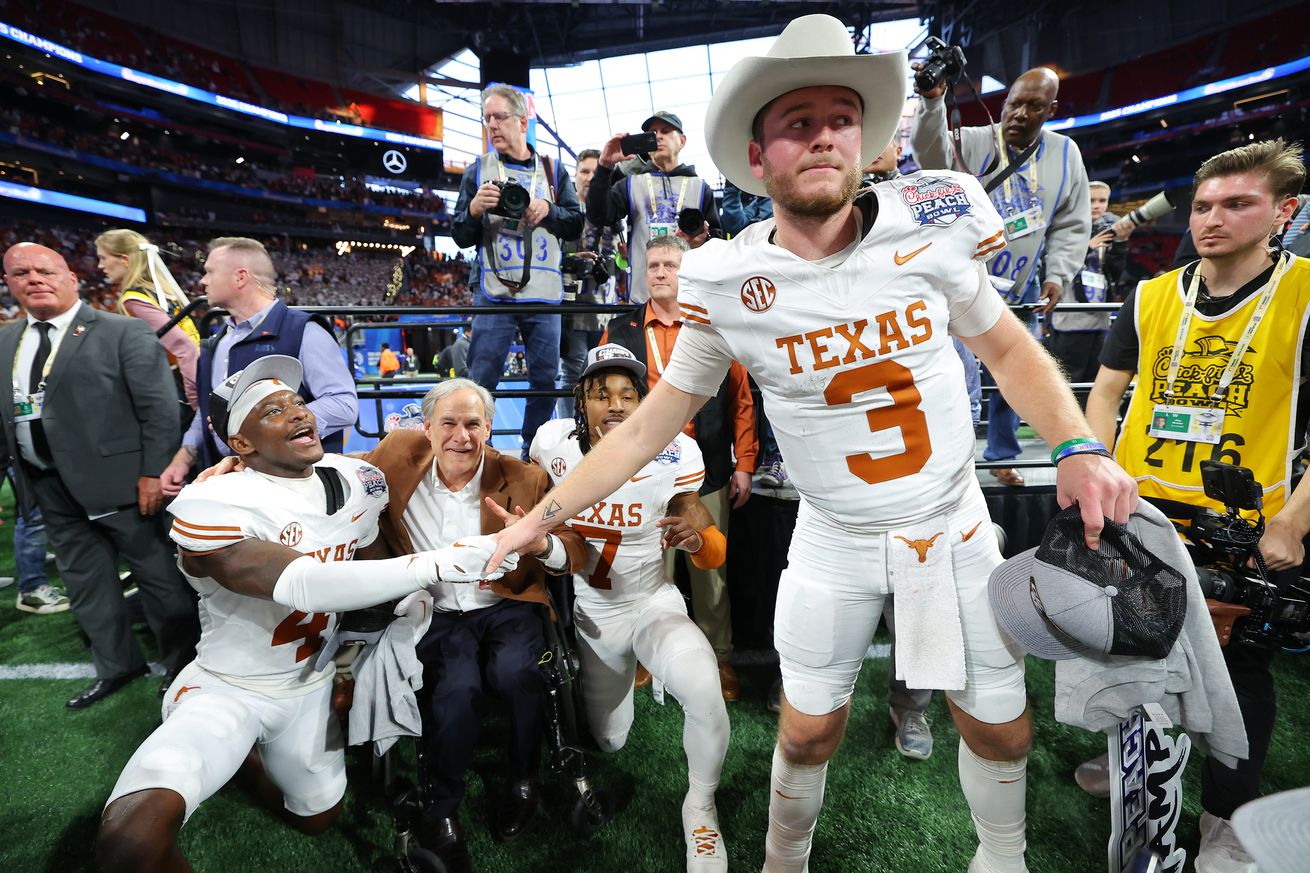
column 517, row 806
column 444, row 837
column 102, row 688
column 167, row 682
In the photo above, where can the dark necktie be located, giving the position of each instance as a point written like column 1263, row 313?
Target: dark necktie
column 34, row 379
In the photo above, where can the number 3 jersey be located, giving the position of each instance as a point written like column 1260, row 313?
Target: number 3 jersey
column 626, row 558
column 861, row 383
column 248, row 641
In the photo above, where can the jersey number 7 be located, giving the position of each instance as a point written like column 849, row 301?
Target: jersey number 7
column 600, row 577
column 903, row 413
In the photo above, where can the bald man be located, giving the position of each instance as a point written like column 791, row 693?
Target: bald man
column 1048, row 217
column 93, row 423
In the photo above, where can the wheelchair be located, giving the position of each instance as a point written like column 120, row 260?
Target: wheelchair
column 568, row 743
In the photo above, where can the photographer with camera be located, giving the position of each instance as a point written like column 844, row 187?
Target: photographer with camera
column 516, row 206
column 668, row 200
column 1037, row 182
column 1221, row 352
column 588, row 268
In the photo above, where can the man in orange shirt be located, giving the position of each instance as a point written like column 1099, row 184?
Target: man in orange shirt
column 388, row 363
column 724, row 429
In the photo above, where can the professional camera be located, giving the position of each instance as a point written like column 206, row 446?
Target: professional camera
column 513, row 202
column 943, row 64
column 1268, row 615
column 580, row 269
column 691, row 221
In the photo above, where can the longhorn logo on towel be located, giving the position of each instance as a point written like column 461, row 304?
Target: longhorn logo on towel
column 921, row 546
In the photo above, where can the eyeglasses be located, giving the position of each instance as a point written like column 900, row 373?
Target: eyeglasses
column 497, row 117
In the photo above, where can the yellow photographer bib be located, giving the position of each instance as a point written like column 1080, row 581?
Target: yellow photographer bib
column 1258, row 408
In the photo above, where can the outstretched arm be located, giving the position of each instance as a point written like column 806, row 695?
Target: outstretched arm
column 624, row 451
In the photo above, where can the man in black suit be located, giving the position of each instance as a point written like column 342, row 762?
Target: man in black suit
column 93, row 422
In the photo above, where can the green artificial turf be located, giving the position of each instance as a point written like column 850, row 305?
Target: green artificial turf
column 881, row 812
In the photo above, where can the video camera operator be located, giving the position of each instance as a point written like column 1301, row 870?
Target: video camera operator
column 1037, row 182
column 1222, row 354
column 588, row 268
column 516, row 206
column 667, row 199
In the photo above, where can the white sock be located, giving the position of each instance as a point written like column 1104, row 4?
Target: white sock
column 996, row 792
column 795, row 796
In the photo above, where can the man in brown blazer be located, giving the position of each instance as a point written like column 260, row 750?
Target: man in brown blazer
column 446, row 483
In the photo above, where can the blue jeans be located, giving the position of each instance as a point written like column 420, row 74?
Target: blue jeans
column 29, row 551
column 492, row 335
column 1002, row 421
column 575, row 343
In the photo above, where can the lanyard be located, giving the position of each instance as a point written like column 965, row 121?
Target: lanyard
column 532, row 180
column 650, row 190
column 1030, row 171
column 656, row 357
column 55, row 345
column 1235, row 359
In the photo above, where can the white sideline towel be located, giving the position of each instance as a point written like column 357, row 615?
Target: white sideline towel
column 929, row 638
column 387, row 675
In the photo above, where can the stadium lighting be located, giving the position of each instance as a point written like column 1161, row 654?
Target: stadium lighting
column 241, row 160
column 124, row 135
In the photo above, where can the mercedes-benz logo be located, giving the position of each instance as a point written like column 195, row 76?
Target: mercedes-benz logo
column 394, row 161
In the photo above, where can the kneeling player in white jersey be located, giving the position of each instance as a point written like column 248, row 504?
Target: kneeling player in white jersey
column 841, row 308
column 268, row 550
column 627, row 609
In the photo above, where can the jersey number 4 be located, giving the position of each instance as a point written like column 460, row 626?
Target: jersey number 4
column 290, row 630
column 610, row 540
column 903, row 413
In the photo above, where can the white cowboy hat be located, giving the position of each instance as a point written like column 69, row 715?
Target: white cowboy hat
column 813, row 50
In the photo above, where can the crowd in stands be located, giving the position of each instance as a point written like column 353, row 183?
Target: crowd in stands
column 307, row 276
column 186, row 155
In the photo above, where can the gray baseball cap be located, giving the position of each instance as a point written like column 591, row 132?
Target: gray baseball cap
column 613, row 355
column 1273, row 830
column 1063, row 600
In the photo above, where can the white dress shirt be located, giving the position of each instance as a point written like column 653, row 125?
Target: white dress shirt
column 435, row 517
column 23, row 370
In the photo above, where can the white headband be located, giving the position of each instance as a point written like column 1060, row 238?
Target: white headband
column 249, row 399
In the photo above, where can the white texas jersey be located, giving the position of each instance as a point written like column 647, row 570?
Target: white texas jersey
column 252, row 642
column 625, row 559
column 861, row 383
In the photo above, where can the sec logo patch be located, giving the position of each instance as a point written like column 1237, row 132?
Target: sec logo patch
column 558, row 466
column 291, row 534
column 758, row 293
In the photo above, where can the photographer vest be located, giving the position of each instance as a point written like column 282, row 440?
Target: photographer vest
column 505, row 250
column 1259, row 405
column 656, row 201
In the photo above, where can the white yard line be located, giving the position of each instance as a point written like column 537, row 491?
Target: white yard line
column 56, row 671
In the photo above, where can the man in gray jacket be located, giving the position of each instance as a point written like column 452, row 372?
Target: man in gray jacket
column 1044, row 203
column 94, row 421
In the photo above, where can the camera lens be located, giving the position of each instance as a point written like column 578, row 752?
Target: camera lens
column 691, row 221
column 514, row 199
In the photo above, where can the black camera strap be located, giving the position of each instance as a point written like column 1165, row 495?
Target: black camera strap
column 1013, row 166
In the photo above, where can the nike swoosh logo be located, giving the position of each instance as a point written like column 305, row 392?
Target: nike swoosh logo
column 183, row 690
column 965, row 537
column 639, row 478
column 357, row 516
column 902, row 260
column 463, row 545
column 786, row 796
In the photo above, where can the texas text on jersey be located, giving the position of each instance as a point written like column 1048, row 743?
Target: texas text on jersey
column 255, row 643
column 851, row 352
column 625, row 562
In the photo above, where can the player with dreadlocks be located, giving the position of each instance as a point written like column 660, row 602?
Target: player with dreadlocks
column 627, row 608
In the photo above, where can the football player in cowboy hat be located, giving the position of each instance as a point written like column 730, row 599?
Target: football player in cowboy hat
column 842, row 308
